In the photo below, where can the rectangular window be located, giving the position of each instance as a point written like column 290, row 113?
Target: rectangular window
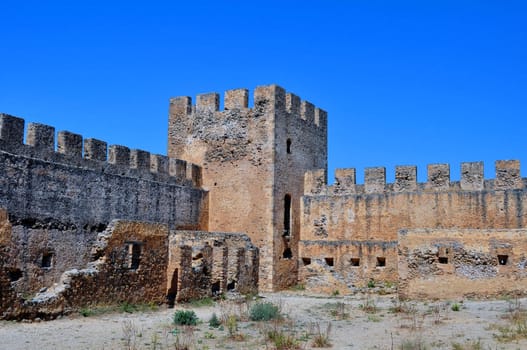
column 134, row 255
column 47, row 260
column 502, row 259
column 355, row 262
column 329, row 261
column 381, row 261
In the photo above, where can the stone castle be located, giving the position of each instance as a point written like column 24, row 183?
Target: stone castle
column 241, row 202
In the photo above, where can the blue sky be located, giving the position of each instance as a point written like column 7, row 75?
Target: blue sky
column 404, row 82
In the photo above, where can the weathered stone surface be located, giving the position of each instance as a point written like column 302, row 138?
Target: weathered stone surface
column 203, row 264
column 440, row 263
column 253, row 162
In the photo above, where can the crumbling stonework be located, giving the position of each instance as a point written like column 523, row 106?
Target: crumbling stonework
column 204, row 264
column 347, row 223
column 441, row 263
column 123, row 267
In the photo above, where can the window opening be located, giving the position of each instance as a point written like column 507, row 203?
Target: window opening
column 381, row 261
column 47, row 260
column 215, row 289
column 134, row 255
column 355, row 262
column 329, row 261
column 287, row 215
column 231, row 285
column 289, row 146
column 288, row 253
column 443, row 260
column 306, row 261
column 502, row 259
column 14, row 275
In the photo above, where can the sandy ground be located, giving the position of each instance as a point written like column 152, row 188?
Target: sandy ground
column 357, row 322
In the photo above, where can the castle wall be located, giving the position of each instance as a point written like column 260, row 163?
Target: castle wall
column 454, row 263
column 246, row 167
column 59, row 199
column 376, row 211
column 301, row 145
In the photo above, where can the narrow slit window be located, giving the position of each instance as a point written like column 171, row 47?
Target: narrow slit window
column 287, row 216
column 134, row 255
column 381, row 261
column 288, row 145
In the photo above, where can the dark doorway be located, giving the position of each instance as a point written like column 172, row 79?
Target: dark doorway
column 215, row 289
column 172, row 291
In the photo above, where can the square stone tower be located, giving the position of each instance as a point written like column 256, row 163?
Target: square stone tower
column 253, row 162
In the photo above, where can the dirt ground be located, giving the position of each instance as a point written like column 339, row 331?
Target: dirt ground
column 366, row 321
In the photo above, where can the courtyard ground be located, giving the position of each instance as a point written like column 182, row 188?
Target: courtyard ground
column 362, row 321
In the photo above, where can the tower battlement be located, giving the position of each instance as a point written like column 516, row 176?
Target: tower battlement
column 507, row 177
column 73, row 149
column 238, row 99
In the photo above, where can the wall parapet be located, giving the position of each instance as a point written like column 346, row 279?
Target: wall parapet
column 74, row 150
column 507, row 177
column 269, row 96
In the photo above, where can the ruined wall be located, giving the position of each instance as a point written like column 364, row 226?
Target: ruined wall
column 251, row 158
column 203, row 264
column 58, row 201
column 124, row 266
column 446, row 264
column 375, row 211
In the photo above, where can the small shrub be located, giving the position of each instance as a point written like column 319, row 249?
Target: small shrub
column 282, row 340
column 413, row 344
column 335, row 293
column 214, row 321
column 207, row 301
column 321, row 338
column 455, row 307
column 185, row 318
column 264, row 312
column 371, row 284
column 86, row 312
column 127, row 307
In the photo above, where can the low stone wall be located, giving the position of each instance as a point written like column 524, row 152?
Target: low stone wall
column 203, row 264
column 457, row 263
column 328, row 266
column 128, row 261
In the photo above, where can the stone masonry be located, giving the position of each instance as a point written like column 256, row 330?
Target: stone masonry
column 83, row 223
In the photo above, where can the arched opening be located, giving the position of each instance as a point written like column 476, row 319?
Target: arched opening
column 287, row 215
column 172, row 291
column 288, row 146
column 288, row 253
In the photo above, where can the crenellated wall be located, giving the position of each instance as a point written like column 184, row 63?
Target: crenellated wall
column 251, row 158
column 339, row 218
column 59, row 198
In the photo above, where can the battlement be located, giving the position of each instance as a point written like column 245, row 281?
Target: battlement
column 438, row 179
column 265, row 97
column 72, row 149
